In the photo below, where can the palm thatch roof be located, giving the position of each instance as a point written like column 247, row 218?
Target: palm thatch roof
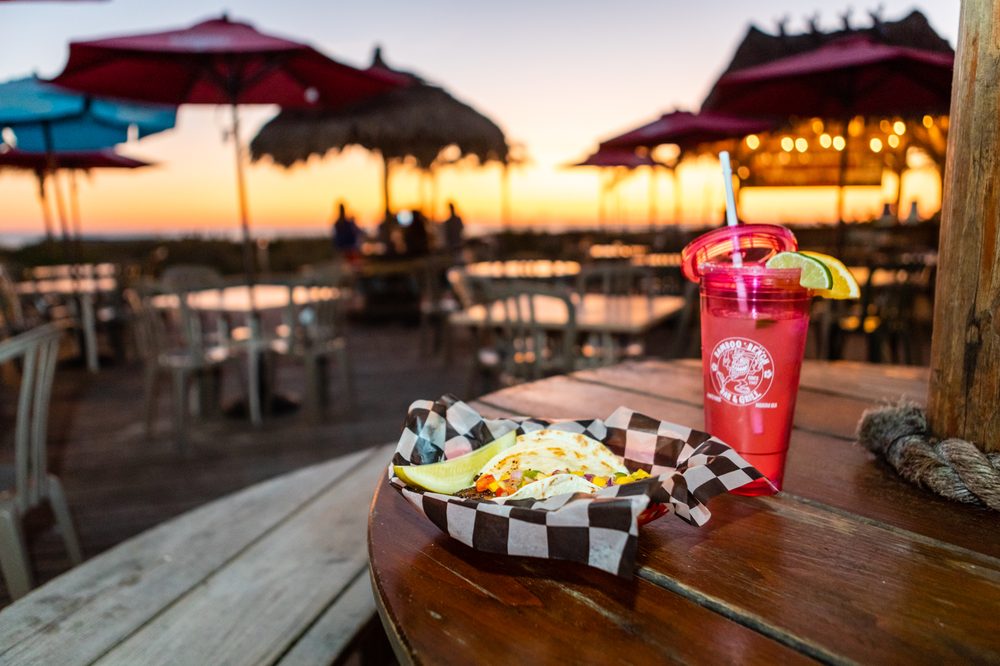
column 417, row 122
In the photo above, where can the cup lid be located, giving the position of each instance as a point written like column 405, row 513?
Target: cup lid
column 756, row 244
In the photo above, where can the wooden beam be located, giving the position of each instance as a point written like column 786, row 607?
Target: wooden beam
column 964, row 393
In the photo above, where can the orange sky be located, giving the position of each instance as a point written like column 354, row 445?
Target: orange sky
column 555, row 83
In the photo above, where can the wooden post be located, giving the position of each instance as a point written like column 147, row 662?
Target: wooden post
column 964, row 398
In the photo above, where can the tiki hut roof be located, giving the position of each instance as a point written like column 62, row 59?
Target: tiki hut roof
column 416, row 122
column 759, row 47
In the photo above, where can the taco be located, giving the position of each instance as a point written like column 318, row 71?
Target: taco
column 546, row 463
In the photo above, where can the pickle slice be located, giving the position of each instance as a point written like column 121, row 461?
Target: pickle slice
column 450, row 476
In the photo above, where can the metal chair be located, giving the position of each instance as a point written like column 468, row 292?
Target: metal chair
column 28, row 484
column 181, row 357
column 613, row 280
column 312, row 332
column 517, row 345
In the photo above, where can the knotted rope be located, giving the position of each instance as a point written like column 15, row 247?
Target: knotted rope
column 952, row 468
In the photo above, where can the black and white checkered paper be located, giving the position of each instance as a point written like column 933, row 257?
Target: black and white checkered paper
column 688, row 468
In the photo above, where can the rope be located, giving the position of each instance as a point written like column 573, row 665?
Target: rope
column 952, row 468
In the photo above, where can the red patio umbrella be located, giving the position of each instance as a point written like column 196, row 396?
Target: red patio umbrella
column 47, row 163
column 219, row 62
column 687, row 130
column 613, row 157
column 617, row 160
column 845, row 78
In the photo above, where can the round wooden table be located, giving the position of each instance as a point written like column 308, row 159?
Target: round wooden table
column 849, row 563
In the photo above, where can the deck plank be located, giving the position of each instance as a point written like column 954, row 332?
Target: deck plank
column 338, row 625
column 252, row 610
column 84, row 613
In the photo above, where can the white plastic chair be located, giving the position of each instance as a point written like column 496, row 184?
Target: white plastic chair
column 28, row 484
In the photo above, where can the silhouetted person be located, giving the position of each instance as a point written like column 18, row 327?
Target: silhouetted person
column 416, row 237
column 346, row 234
column 454, row 228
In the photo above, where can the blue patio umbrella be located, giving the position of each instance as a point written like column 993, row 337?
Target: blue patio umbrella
column 45, row 117
column 48, row 119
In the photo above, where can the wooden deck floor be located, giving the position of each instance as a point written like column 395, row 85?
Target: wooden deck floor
column 119, row 482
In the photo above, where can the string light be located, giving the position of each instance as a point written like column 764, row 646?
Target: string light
column 899, row 127
column 743, row 173
column 885, row 126
column 801, row 145
column 839, row 143
column 875, row 144
column 787, row 144
column 817, row 125
column 753, row 142
column 893, row 141
column 928, row 122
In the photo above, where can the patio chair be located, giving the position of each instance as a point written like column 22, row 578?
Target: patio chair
column 312, row 332
column 517, row 345
column 12, row 319
column 616, row 279
column 28, row 484
column 180, row 357
column 436, row 304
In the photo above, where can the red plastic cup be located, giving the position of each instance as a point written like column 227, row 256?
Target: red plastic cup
column 754, row 322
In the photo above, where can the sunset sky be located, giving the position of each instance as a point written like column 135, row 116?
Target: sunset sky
column 556, row 76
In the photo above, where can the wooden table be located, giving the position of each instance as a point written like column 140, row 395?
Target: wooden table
column 524, row 269
column 274, row 574
column 237, row 298
column 849, row 564
column 595, row 313
column 86, row 290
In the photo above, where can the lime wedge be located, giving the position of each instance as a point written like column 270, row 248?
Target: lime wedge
column 815, row 274
column 844, row 284
column 450, row 476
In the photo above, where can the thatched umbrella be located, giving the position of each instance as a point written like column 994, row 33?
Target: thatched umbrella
column 414, row 123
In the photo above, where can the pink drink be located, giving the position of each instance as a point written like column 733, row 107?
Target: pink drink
column 752, row 346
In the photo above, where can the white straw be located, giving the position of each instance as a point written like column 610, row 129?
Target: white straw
column 727, row 176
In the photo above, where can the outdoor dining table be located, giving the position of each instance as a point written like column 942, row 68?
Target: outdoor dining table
column 595, row 313
column 236, row 299
column 86, row 290
column 244, row 300
column 524, row 269
column 849, row 564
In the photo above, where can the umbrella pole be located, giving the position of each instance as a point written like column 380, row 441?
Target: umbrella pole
column 841, row 189
column 677, row 195
column 241, row 193
column 505, row 196
column 74, row 212
column 652, row 197
column 43, row 201
column 386, row 204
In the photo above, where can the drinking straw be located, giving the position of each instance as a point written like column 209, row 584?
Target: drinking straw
column 727, row 177
column 756, row 417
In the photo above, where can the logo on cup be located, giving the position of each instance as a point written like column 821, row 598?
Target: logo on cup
column 742, row 371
